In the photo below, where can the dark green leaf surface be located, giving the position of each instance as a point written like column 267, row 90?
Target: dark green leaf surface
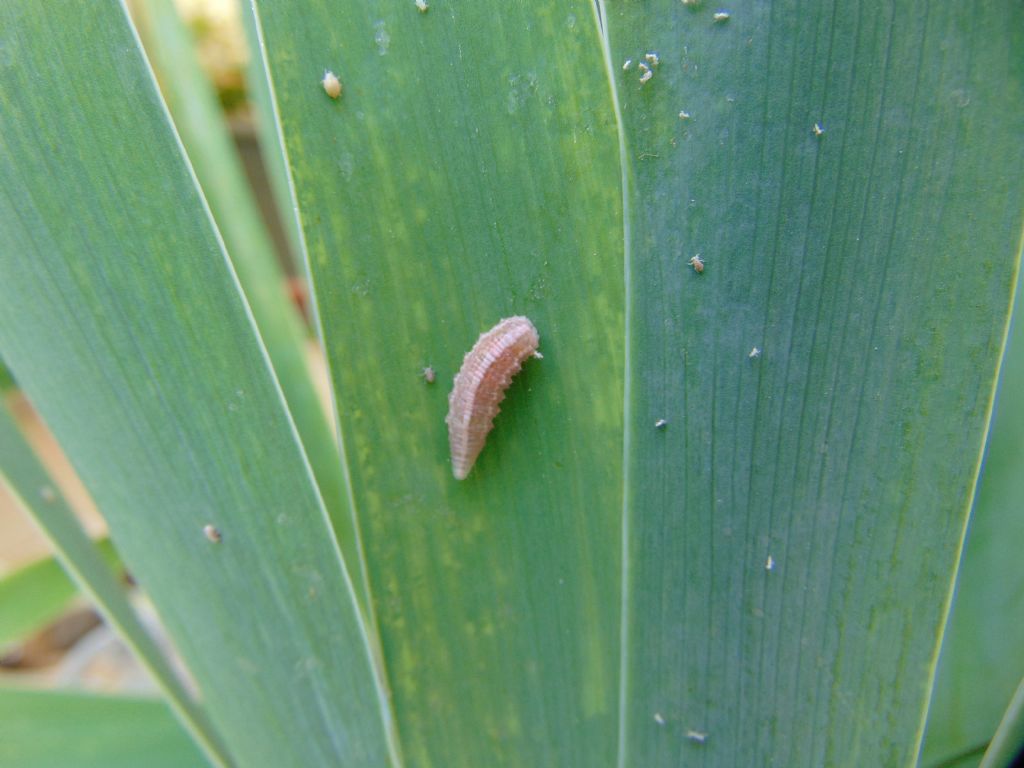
column 122, row 319
column 872, row 265
column 38, row 593
column 983, row 647
column 467, row 173
column 56, row 730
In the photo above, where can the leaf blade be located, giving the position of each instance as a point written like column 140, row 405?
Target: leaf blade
column 128, row 304
column 982, row 646
column 846, row 449
column 452, row 184
column 201, row 124
column 41, row 729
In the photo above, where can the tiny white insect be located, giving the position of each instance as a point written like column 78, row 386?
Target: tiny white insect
column 658, row 718
column 769, row 563
column 684, row 115
column 691, row 3
column 817, row 130
column 646, row 76
column 720, row 17
column 697, row 263
column 699, row 736
column 212, row 533
column 653, row 58
column 422, row 6
column 429, row 374
column 661, row 423
column 754, row 353
column 628, row 63
column 331, row 84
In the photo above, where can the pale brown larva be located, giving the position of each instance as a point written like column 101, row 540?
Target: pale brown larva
column 480, row 385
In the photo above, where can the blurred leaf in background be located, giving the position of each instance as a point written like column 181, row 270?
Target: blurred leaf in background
column 982, row 660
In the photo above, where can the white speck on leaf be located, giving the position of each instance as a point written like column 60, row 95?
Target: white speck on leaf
column 381, row 37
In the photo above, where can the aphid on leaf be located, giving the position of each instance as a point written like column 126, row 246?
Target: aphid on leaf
column 661, row 423
column 429, row 374
column 331, row 84
column 697, row 263
column 422, row 6
column 817, row 130
column 720, row 17
column 212, row 533
column 480, row 385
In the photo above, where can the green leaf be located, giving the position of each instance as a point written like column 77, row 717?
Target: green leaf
column 39, row 592
column 30, row 485
column 200, row 122
column 983, row 648
column 41, row 729
column 1008, row 741
column 871, row 263
column 122, row 319
column 468, row 172
column 271, row 152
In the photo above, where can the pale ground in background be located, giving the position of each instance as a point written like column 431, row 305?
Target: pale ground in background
column 20, row 540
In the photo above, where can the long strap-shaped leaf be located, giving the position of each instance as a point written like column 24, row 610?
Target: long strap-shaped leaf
column 29, row 482
column 469, row 172
column 850, row 174
column 200, row 122
column 982, row 656
column 1008, row 740
column 122, row 319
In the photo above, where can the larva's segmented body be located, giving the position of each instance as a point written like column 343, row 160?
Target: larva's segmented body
column 480, row 385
